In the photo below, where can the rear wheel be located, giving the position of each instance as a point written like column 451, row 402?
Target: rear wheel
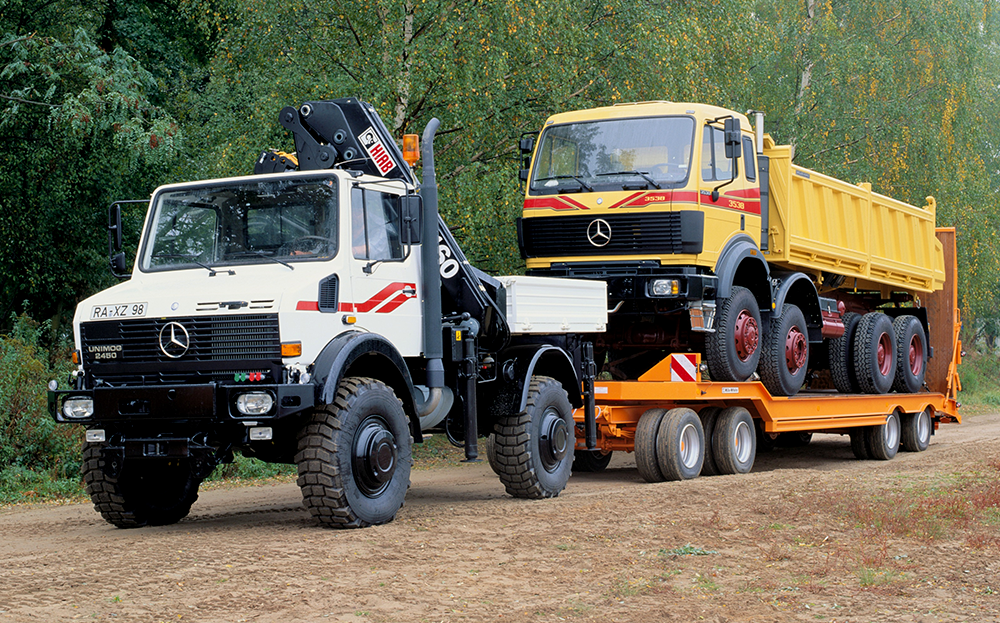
column 916, row 431
column 911, row 354
column 354, row 456
column 145, row 492
column 883, row 440
column 733, row 350
column 785, row 355
column 535, row 447
column 680, row 445
column 734, row 443
column 591, row 460
column 875, row 353
column 841, row 356
column 645, row 445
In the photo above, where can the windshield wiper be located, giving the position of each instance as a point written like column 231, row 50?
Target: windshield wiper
column 643, row 174
column 273, row 259
column 587, row 187
column 211, row 271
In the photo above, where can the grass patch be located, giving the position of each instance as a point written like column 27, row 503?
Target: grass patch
column 687, row 550
column 980, row 383
column 20, row 485
column 250, row 469
column 437, row 451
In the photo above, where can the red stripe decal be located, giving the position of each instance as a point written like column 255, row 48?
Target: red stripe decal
column 394, row 303
column 625, row 200
column 382, row 296
column 553, row 203
column 307, row 306
column 345, row 307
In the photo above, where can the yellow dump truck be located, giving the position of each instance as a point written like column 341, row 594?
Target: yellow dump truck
column 711, row 240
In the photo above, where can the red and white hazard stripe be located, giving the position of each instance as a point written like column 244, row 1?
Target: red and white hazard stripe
column 684, row 368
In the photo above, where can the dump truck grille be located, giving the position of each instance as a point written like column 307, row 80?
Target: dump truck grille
column 665, row 233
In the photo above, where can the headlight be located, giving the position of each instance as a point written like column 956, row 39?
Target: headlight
column 78, row 408
column 254, row 403
column 666, row 287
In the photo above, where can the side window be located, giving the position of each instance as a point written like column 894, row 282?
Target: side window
column 375, row 222
column 715, row 166
column 749, row 158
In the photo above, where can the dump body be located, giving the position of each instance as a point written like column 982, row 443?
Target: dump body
column 821, row 224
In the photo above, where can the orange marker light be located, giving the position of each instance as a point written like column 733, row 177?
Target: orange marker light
column 411, row 149
column 75, row 357
column 291, row 349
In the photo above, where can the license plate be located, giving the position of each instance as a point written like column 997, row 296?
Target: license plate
column 128, row 310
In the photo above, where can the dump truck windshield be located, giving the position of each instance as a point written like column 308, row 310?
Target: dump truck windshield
column 244, row 222
column 613, row 154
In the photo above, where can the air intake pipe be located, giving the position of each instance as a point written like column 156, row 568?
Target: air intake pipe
column 431, row 278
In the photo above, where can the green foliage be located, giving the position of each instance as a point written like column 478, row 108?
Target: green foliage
column 29, row 438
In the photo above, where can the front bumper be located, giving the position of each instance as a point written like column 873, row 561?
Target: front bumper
column 210, row 402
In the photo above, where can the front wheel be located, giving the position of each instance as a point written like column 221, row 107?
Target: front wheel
column 355, row 456
column 145, row 492
column 733, row 350
column 535, row 447
column 786, row 353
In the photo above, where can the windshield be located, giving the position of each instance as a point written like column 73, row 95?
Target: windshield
column 243, row 222
column 615, row 154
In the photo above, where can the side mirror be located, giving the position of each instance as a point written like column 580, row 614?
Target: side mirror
column 733, row 138
column 115, row 228
column 118, row 267
column 411, row 209
column 527, row 146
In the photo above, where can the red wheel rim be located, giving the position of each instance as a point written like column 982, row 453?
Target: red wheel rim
column 916, row 355
column 885, row 354
column 747, row 335
column 796, row 350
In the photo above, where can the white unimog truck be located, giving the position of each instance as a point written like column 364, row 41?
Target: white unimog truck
column 320, row 313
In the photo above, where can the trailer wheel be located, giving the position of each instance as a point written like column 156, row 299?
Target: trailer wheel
column 645, row 445
column 709, row 417
column 883, row 440
column 491, row 453
column 797, row 439
column 766, row 442
column 911, row 354
column 591, row 460
column 875, row 353
column 916, row 431
column 734, row 349
column 841, row 357
column 734, row 443
column 680, row 445
column 785, row 356
column 146, row 492
column 859, row 443
column 535, row 447
column 354, row 456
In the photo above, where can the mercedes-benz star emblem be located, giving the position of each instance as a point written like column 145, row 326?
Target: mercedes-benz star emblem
column 599, row 232
column 174, row 340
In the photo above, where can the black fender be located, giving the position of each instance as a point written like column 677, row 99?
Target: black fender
column 798, row 289
column 356, row 353
column 741, row 263
column 520, row 363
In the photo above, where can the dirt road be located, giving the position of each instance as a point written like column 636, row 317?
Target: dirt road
column 792, row 541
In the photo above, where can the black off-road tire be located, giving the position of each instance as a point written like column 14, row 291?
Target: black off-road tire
column 365, row 414
column 875, row 353
column 491, row 452
column 776, row 371
column 146, row 492
column 911, row 354
column 645, row 445
column 734, row 443
column 883, row 441
column 916, row 431
column 859, row 443
column 591, row 460
column 725, row 362
column 535, row 447
column 680, row 445
column 841, row 356
column 708, row 417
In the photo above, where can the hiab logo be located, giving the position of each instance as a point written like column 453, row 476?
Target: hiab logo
column 377, row 151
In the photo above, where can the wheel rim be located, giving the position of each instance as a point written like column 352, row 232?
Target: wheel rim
column 747, row 335
column 916, row 355
column 891, row 431
column 796, row 350
column 374, row 456
column 554, row 441
column 743, row 439
column 690, row 446
column 923, row 427
column 884, row 356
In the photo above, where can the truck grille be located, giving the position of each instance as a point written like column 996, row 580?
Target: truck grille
column 211, row 338
column 664, row 233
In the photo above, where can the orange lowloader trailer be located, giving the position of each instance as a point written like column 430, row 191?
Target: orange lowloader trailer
column 680, row 426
